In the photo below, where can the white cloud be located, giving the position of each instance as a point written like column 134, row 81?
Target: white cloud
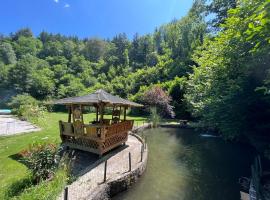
column 66, row 5
column 56, row 1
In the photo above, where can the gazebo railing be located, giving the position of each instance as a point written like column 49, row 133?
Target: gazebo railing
column 96, row 138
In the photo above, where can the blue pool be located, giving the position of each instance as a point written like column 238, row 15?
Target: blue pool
column 5, row 111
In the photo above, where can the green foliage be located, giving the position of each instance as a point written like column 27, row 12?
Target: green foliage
column 27, row 107
column 24, row 32
column 154, row 117
column 20, row 100
column 70, row 86
column 94, row 49
column 46, row 190
column 26, row 189
column 18, row 187
column 27, row 45
column 223, row 90
column 176, row 89
column 4, row 71
column 220, row 9
column 31, row 113
column 40, row 159
column 7, row 54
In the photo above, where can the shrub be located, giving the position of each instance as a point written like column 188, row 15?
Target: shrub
column 41, row 160
column 31, row 113
column 158, row 98
column 20, row 100
column 26, row 107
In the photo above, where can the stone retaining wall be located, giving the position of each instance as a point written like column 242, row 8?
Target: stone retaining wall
column 120, row 183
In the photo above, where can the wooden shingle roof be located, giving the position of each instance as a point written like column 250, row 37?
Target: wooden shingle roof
column 98, row 97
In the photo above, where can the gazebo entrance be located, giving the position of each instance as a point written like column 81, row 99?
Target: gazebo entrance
column 100, row 135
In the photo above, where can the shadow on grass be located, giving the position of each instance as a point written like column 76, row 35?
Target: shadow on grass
column 17, row 187
column 18, row 157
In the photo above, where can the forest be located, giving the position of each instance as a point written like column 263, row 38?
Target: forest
column 214, row 63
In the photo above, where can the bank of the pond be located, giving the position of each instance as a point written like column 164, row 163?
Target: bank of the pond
column 113, row 173
column 184, row 165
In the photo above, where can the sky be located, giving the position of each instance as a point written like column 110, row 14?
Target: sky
column 90, row 18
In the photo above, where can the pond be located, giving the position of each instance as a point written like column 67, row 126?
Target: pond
column 183, row 165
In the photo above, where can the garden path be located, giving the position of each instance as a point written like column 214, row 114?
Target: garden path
column 9, row 125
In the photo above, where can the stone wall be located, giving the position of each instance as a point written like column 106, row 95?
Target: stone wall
column 120, row 183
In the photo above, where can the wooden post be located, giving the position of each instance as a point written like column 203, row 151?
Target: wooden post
column 125, row 113
column 112, row 112
column 105, row 171
column 81, row 107
column 129, row 161
column 66, row 193
column 142, row 148
column 119, row 113
column 96, row 112
column 69, row 114
column 72, row 110
column 101, row 112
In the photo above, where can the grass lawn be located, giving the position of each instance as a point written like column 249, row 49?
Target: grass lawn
column 12, row 171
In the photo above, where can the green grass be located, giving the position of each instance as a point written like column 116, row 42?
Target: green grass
column 12, row 171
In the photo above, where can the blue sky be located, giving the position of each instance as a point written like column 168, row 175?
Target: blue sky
column 90, row 18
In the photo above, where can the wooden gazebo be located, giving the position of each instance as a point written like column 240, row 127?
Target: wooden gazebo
column 99, row 135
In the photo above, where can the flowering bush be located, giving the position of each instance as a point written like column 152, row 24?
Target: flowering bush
column 156, row 97
column 41, row 160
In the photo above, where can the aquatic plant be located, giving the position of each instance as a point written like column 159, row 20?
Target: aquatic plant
column 154, row 117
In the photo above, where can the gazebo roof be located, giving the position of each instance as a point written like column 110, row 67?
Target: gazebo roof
column 98, row 97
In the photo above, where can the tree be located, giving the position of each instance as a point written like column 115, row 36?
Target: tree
column 32, row 75
column 220, row 9
column 70, row 86
column 52, row 48
column 94, row 49
column 78, row 64
column 7, row 54
column 20, row 75
column 43, row 84
column 4, row 70
column 69, row 49
column 156, row 97
column 27, row 45
column 121, row 45
column 140, row 49
column 24, row 32
column 223, row 90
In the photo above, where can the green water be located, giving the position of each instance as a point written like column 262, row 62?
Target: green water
column 185, row 166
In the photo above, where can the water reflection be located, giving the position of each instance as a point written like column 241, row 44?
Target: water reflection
column 182, row 165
